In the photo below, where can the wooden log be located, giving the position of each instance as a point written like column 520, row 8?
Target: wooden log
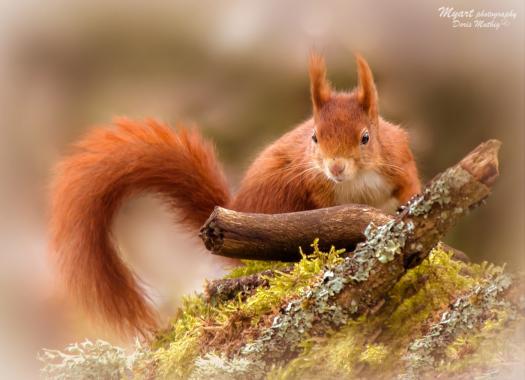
column 224, row 289
column 361, row 282
column 279, row 236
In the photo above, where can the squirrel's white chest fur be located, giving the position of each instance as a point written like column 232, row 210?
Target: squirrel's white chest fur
column 368, row 187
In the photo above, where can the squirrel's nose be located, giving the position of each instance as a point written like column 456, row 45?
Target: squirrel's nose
column 337, row 168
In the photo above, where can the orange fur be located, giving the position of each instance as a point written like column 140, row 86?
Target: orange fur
column 366, row 91
column 319, row 86
column 109, row 165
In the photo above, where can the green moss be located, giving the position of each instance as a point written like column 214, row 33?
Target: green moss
column 189, row 317
column 175, row 349
column 283, row 285
column 176, row 360
column 432, row 284
column 255, row 266
column 399, row 339
column 374, row 354
column 310, row 265
column 375, row 346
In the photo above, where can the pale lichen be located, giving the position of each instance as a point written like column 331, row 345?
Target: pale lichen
column 464, row 305
column 414, row 301
column 439, row 191
column 385, row 241
column 466, row 313
column 94, row 360
column 290, row 327
column 218, row 367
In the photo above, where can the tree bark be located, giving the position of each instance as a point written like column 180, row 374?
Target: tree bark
column 224, row 289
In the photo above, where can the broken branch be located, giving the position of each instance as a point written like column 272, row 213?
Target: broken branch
column 278, row 236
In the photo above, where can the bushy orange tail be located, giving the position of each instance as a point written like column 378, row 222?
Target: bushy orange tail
column 107, row 166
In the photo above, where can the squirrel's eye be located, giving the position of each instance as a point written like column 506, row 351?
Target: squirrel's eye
column 365, row 138
column 314, row 138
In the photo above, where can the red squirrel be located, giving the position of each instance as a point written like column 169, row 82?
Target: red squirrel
column 345, row 153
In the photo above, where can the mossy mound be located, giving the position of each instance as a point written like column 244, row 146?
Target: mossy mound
column 444, row 316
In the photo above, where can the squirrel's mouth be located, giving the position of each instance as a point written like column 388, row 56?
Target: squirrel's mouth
column 339, row 178
column 336, row 179
column 343, row 177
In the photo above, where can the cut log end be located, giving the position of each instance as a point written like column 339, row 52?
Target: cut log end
column 482, row 163
column 210, row 234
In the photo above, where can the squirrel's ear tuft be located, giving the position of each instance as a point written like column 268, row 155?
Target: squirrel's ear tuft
column 366, row 90
column 319, row 86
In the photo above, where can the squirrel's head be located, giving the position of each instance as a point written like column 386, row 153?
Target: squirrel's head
column 345, row 135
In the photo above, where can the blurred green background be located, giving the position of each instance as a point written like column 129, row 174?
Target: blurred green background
column 238, row 70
